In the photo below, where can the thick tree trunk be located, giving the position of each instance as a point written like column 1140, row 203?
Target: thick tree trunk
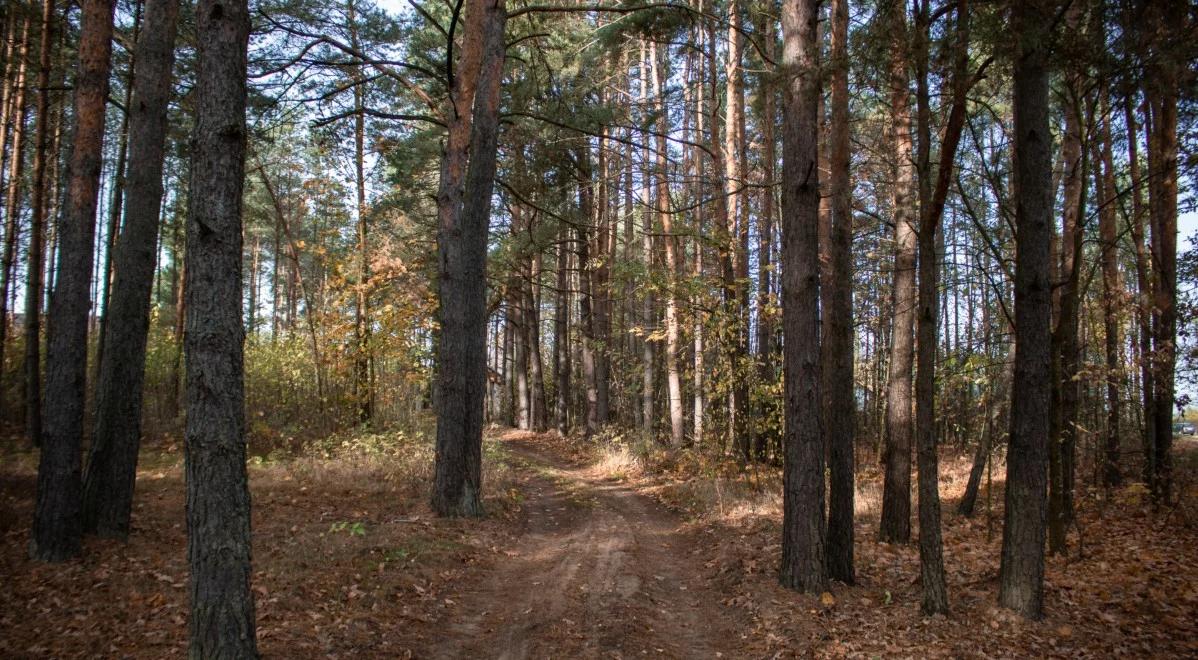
column 839, row 402
column 1021, row 585
column 464, row 208
column 803, row 524
column 896, row 493
column 112, row 459
column 57, row 524
column 218, row 498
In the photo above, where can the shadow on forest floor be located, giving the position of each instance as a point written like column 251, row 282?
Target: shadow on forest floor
column 350, row 561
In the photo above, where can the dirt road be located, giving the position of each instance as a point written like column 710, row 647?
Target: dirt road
column 600, row 571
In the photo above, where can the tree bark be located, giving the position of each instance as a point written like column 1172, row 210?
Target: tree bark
column 766, row 436
column 1021, row 582
column 218, row 498
column 1166, row 21
column 896, row 493
column 112, row 459
column 561, row 336
column 839, row 403
column 734, row 249
column 803, row 524
column 1065, row 391
column 57, row 524
column 1112, row 295
column 19, row 113
column 670, row 244
column 464, row 208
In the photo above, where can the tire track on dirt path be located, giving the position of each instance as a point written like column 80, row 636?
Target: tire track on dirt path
column 600, row 571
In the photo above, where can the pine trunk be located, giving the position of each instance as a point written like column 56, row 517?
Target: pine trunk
column 112, row 459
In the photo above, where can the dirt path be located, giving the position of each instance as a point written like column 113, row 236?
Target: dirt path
column 600, row 571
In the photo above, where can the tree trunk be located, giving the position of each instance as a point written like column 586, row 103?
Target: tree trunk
column 839, row 402
column 362, row 327
column 1112, row 295
column 1021, row 585
column 896, row 493
column 112, row 459
column 464, row 208
column 540, row 413
column 1162, row 94
column 1144, row 287
column 765, row 436
column 589, row 208
column 218, row 498
column 57, row 525
column 1065, row 391
column 670, row 243
column 19, row 111
column 803, row 525
column 734, row 259
column 104, row 282
column 561, row 336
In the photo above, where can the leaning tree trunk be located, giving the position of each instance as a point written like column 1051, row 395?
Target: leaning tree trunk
column 464, row 208
column 57, row 524
column 803, row 523
column 1021, row 582
column 112, row 459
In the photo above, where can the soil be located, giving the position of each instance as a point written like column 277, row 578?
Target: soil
column 574, row 561
column 599, row 571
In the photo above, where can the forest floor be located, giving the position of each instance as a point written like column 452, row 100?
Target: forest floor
column 592, row 552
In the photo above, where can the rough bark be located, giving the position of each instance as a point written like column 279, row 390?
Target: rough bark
column 896, row 493
column 803, row 524
column 57, row 524
column 839, row 404
column 218, row 497
column 464, row 207
column 1021, row 582
column 112, row 459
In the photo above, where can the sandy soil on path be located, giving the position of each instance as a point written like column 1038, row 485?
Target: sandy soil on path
column 600, row 571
